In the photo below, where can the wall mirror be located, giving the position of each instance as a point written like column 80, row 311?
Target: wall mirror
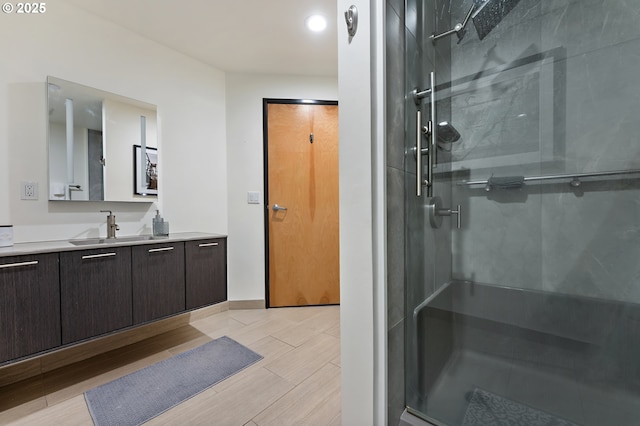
column 98, row 145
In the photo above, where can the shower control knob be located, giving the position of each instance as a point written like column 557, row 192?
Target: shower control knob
column 436, row 212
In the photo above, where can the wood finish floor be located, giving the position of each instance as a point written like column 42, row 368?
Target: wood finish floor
column 297, row 382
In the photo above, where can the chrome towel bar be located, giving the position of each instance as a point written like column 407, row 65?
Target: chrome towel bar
column 575, row 182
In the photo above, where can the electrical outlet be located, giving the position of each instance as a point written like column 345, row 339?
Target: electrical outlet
column 29, row 190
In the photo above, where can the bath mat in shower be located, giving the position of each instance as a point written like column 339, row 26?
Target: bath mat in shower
column 147, row 393
column 486, row 408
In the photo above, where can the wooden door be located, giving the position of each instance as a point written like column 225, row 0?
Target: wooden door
column 302, row 177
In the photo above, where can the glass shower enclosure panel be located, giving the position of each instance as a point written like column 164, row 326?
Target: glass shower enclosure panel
column 522, row 280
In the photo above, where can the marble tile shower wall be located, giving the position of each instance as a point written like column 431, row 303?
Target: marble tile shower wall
column 395, row 191
column 575, row 113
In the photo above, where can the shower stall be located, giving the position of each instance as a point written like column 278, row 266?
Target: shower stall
column 522, row 212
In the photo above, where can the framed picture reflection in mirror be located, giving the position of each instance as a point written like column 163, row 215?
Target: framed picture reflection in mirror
column 146, row 179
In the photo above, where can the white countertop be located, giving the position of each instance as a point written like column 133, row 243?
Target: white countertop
column 20, row 249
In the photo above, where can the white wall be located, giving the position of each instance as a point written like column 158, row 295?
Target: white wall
column 71, row 44
column 245, row 93
column 362, row 216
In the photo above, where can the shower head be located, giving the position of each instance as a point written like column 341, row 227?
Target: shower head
column 485, row 14
column 447, row 133
column 489, row 13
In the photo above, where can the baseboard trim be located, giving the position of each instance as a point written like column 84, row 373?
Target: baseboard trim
column 246, row 304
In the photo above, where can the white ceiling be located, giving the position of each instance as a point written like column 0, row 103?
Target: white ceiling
column 256, row 36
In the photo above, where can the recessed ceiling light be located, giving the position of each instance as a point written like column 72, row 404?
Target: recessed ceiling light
column 316, row 23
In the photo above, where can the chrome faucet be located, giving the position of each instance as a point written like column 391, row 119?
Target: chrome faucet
column 112, row 226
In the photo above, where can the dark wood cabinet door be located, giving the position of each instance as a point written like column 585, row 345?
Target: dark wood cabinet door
column 95, row 292
column 206, row 272
column 29, row 305
column 158, row 281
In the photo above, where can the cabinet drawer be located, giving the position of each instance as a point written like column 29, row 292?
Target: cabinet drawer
column 206, row 272
column 29, row 305
column 95, row 292
column 158, row 281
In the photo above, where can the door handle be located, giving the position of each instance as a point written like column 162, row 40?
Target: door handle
column 419, row 153
column 278, row 208
column 430, row 132
column 420, row 131
column 433, row 147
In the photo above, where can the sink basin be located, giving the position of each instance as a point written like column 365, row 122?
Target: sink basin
column 93, row 241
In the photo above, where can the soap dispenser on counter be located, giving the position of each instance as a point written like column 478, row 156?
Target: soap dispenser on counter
column 160, row 227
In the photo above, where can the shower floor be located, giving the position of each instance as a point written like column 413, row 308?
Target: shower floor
column 534, row 385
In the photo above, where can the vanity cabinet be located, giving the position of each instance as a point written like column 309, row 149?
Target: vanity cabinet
column 206, row 274
column 158, row 281
column 29, row 305
column 95, row 291
column 54, row 298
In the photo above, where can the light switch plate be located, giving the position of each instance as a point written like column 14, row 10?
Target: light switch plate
column 253, row 197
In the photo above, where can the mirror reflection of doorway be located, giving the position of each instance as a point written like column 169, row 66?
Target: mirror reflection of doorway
column 95, row 166
column 301, row 187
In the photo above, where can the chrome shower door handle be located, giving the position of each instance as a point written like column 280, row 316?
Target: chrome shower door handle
column 277, row 208
column 433, row 137
column 430, row 132
column 418, row 153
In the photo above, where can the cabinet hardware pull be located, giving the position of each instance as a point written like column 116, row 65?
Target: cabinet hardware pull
column 208, row 245
column 96, row 256
column 160, row 249
column 15, row 265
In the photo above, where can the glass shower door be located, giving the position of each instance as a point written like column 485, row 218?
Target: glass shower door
column 431, row 218
column 530, row 311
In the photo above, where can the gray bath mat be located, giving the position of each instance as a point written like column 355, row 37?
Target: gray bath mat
column 488, row 409
column 147, row 393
